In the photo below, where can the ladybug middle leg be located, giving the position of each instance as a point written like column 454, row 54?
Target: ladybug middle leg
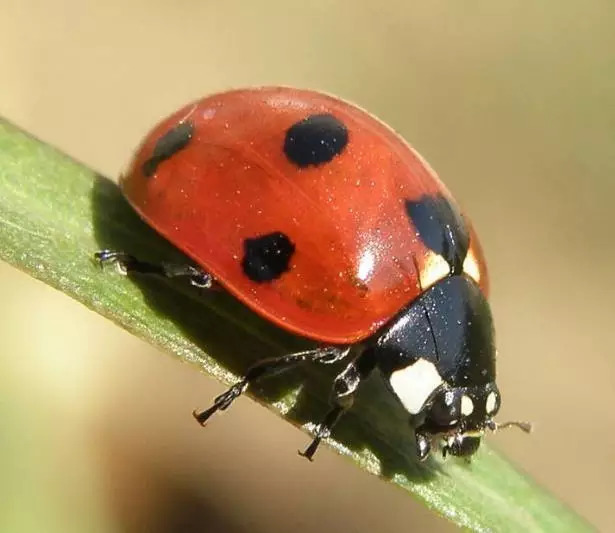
column 343, row 392
column 269, row 367
column 129, row 264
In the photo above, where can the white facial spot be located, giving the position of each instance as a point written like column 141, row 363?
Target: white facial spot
column 470, row 266
column 491, row 402
column 434, row 269
column 467, row 405
column 414, row 384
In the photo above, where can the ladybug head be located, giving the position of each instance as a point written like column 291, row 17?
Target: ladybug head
column 458, row 416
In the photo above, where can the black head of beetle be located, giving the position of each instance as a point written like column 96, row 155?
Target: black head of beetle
column 438, row 358
column 458, row 416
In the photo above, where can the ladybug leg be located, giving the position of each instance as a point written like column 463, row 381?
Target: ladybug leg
column 344, row 389
column 128, row 264
column 269, row 367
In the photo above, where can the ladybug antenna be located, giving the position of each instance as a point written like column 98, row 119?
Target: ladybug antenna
column 523, row 426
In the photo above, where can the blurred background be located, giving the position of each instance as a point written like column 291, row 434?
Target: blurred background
column 512, row 103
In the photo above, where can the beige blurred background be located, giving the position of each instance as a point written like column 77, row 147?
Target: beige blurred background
column 513, row 103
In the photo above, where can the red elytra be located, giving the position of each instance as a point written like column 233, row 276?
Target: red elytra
column 357, row 258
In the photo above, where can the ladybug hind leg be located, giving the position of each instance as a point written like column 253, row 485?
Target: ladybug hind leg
column 270, row 367
column 129, row 264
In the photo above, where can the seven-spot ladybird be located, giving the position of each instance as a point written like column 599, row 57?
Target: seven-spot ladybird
column 323, row 220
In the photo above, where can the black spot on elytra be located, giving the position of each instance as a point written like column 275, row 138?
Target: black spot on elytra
column 441, row 228
column 315, row 140
column 168, row 145
column 267, row 257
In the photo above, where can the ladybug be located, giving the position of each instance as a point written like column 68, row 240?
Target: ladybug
column 323, row 220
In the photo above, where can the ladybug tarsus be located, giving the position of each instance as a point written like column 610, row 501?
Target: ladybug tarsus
column 323, row 430
column 129, row 264
column 309, row 452
column 222, row 402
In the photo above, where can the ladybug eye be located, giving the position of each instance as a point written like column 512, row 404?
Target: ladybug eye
column 445, row 410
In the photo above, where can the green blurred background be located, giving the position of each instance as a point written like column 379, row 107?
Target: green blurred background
column 513, row 103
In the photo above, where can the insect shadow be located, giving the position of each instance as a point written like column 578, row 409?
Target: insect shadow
column 237, row 337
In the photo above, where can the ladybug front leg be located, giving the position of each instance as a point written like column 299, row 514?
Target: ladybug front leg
column 269, row 367
column 128, row 264
column 344, row 389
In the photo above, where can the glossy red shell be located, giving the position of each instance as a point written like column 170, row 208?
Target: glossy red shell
column 357, row 258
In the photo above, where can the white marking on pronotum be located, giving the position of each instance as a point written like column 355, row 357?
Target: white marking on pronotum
column 490, row 403
column 470, row 266
column 434, row 269
column 467, row 405
column 415, row 383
